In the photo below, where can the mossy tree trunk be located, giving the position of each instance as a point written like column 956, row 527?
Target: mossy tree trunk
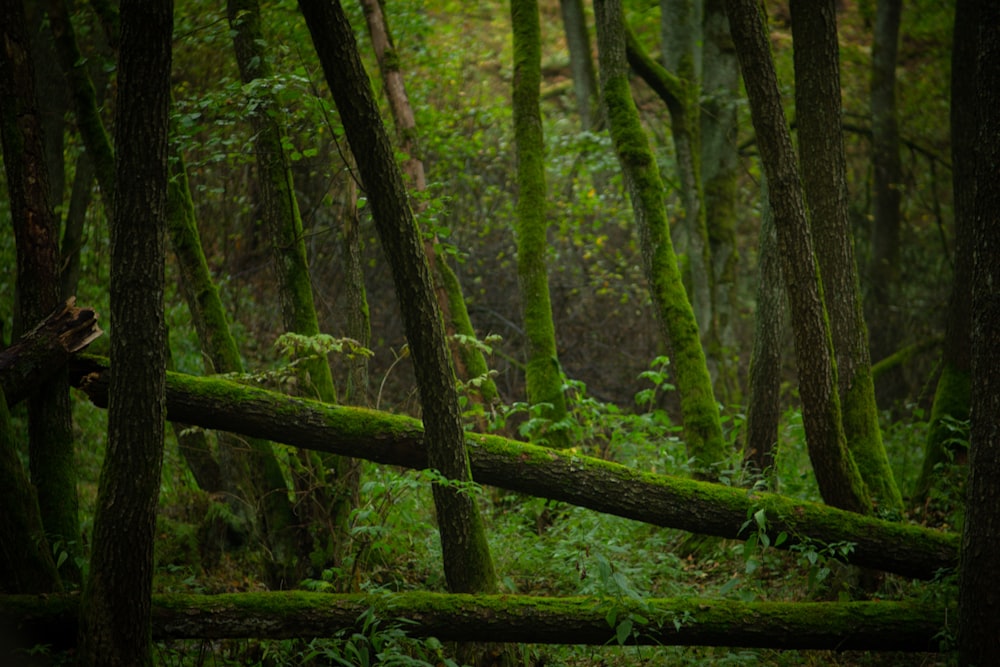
column 824, row 176
column 334, row 482
column 250, row 470
column 952, row 395
column 50, row 443
column 978, row 594
column 543, row 374
column 681, row 28
column 854, row 626
column 661, row 500
column 839, row 481
column 115, row 614
column 700, row 412
column 468, row 565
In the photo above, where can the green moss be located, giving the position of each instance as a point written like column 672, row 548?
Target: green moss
column 700, row 412
column 952, row 400
column 864, row 441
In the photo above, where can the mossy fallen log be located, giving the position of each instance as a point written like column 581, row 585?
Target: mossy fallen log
column 884, row 626
column 662, row 500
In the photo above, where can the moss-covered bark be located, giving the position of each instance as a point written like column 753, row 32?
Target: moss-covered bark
column 824, row 176
column 252, row 475
column 543, row 375
column 879, row 626
column 334, row 497
column 662, row 500
column 468, row 565
column 700, row 412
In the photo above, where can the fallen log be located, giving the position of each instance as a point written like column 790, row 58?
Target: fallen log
column 36, row 355
column 662, row 500
column 883, row 626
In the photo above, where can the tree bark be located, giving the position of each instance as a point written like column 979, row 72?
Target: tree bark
column 115, row 613
column 661, row 500
column 824, row 176
column 764, row 406
column 543, row 375
column 883, row 267
column 333, row 483
column 468, row 564
column 43, row 351
column 50, row 442
column 678, row 326
column 850, row 626
column 581, row 63
column 839, row 481
column 978, row 595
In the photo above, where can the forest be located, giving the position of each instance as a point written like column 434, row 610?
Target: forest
column 430, row 333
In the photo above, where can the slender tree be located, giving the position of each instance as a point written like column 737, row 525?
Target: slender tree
column 581, row 62
column 883, row 266
column 700, row 412
column 824, row 176
column 543, row 375
column 978, row 596
column 839, row 481
column 50, row 443
column 764, row 405
column 469, row 360
column 720, row 172
column 282, row 218
column 115, row 616
column 468, row 565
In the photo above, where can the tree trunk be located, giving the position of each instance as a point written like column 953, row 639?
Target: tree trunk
column 681, row 29
column 883, row 267
column 581, row 63
column 115, row 614
column 543, row 375
column 468, row 565
column 839, row 480
column 824, row 176
column 700, row 412
column 469, row 360
column 250, row 472
column 951, row 396
column 26, row 564
column 978, row 595
column 720, row 171
column 661, row 500
column 850, row 626
column 332, row 486
column 50, row 443
column 764, row 406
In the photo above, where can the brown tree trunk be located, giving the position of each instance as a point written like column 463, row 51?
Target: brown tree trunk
column 468, row 565
column 50, row 443
column 979, row 596
column 662, row 500
column 115, row 613
column 839, row 480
